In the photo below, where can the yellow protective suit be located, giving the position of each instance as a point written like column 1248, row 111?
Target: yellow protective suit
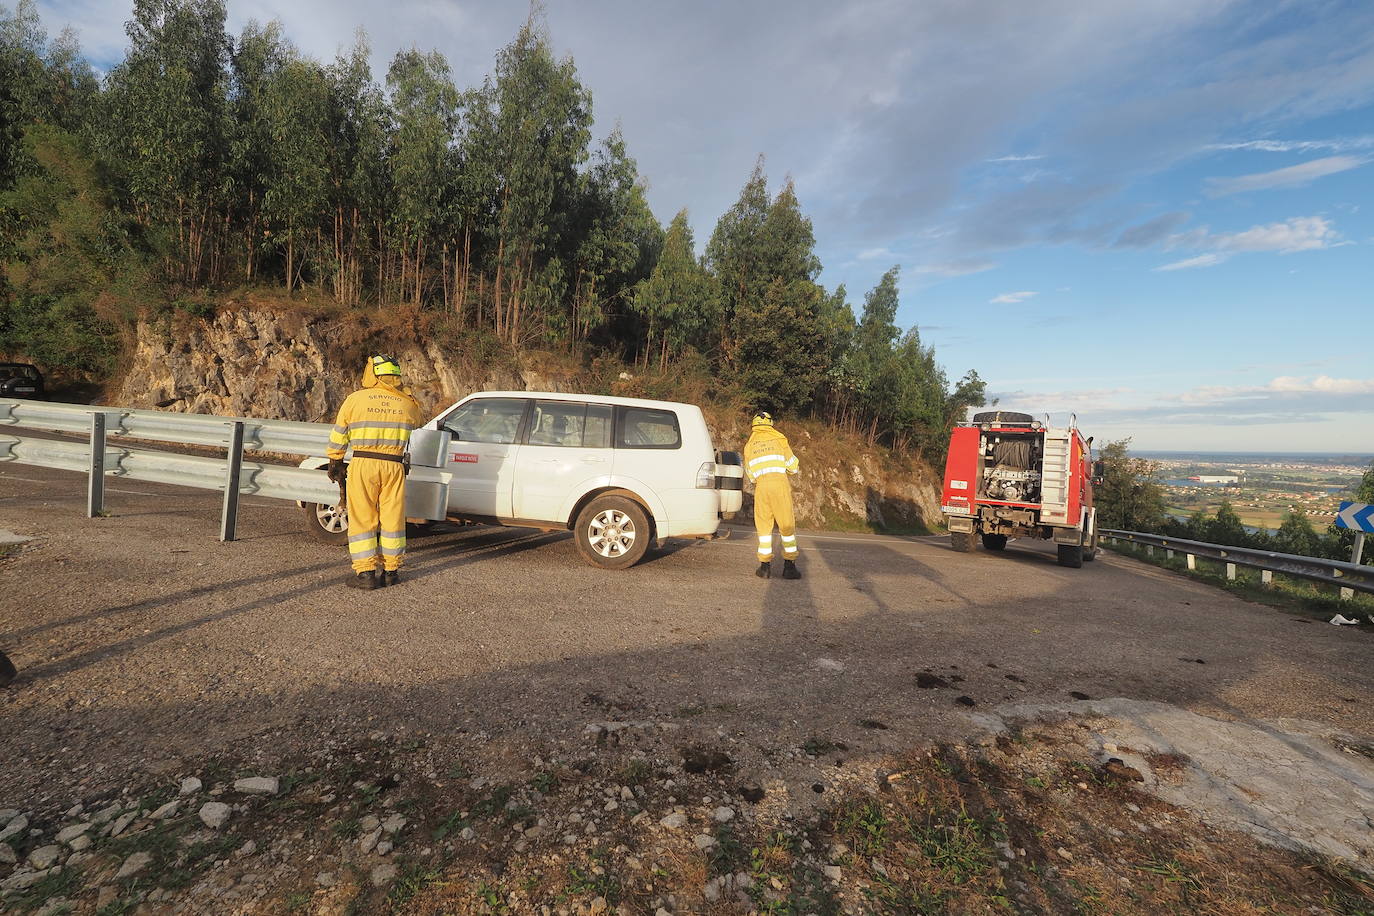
column 376, row 418
column 768, row 460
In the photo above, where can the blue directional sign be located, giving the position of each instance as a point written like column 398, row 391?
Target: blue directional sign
column 1356, row 517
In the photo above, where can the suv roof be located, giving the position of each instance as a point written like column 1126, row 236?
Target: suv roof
column 573, row 396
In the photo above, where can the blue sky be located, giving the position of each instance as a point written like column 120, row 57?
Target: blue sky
column 1156, row 214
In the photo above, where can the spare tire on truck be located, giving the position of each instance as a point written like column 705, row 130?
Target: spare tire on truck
column 1002, row 416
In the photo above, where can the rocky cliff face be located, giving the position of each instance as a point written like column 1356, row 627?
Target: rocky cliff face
column 280, row 364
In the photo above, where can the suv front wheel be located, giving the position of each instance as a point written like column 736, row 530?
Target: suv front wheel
column 613, row 532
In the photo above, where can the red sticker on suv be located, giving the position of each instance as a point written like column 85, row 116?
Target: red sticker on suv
column 461, row 458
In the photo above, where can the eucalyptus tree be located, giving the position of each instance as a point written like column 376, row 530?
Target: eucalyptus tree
column 424, row 105
column 615, row 243
column 778, row 347
column 733, row 256
column 257, row 57
column 360, row 181
column 297, row 113
column 529, row 135
column 677, row 304
column 165, row 128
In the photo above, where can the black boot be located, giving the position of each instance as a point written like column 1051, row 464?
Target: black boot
column 389, row 577
column 364, row 580
column 789, row 570
column 765, row 570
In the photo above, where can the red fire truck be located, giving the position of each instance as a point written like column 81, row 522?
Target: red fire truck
column 1011, row 476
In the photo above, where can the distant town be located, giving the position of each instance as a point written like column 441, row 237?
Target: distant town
column 1261, row 488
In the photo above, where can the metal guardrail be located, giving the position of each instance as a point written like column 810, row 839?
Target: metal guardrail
column 1348, row 576
column 255, row 479
column 284, row 436
column 96, row 457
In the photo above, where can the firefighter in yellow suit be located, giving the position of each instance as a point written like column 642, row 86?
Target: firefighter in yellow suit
column 375, row 421
column 768, row 460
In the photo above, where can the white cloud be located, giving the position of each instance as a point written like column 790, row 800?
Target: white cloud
column 1301, row 233
column 1339, row 145
column 870, row 254
column 958, row 268
column 1284, row 388
column 1012, row 298
column 1288, row 402
column 1016, row 158
column 1290, row 177
column 1323, row 383
column 1203, row 260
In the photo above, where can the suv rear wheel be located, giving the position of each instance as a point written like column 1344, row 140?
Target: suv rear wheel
column 613, row 532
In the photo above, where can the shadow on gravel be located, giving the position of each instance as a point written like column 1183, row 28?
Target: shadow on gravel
column 800, row 674
column 201, row 591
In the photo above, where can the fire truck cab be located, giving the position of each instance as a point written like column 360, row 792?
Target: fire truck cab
column 1011, row 476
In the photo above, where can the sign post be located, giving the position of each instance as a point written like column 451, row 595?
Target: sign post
column 1357, row 517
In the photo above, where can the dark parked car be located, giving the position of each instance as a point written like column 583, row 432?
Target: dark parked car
column 20, row 380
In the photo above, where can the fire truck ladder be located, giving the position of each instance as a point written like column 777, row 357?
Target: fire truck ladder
column 1054, row 476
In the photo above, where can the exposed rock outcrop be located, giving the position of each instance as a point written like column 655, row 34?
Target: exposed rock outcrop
column 279, row 363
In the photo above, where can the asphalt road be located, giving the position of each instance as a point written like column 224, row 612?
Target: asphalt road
column 144, row 644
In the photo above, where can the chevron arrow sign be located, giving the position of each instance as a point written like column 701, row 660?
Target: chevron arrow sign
column 1356, row 517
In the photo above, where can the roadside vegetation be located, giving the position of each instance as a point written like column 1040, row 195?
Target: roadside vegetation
column 1285, row 592
column 1131, row 498
column 205, row 168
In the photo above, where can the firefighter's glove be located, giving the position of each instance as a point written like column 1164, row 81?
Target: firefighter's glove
column 338, row 470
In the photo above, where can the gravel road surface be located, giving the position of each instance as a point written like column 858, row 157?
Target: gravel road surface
column 144, row 644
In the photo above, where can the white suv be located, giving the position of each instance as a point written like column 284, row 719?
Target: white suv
column 618, row 472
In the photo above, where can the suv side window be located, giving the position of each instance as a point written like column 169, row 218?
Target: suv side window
column 557, row 423
column 599, row 421
column 494, row 420
column 647, row 427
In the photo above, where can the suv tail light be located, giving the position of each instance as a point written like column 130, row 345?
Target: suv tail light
column 706, row 476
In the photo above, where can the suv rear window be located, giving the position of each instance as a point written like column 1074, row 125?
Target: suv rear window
column 646, row 427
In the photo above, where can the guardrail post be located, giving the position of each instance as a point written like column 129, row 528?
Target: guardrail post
column 1192, row 561
column 1266, row 578
column 95, row 483
column 1169, row 554
column 1356, row 554
column 234, row 467
column 1231, row 571
column 1149, row 550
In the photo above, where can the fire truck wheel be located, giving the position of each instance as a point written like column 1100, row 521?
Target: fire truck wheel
column 1071, row 555
column 1090, row 552
column 994, row 541
column 961, row 541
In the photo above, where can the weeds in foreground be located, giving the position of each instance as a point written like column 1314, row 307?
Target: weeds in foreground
column 413, row 881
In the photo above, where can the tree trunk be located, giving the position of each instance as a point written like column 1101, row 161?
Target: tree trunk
column 463, row 288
